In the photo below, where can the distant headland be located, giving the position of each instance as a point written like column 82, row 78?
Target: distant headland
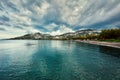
column 108, row 35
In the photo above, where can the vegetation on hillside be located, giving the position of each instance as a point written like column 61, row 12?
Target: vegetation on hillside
column 109, row 35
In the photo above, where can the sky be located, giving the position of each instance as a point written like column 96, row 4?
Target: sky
column 19, row 17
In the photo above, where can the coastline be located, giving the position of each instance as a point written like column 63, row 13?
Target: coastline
column 109, row 44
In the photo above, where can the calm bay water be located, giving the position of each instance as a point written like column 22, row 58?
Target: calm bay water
column 57, row 60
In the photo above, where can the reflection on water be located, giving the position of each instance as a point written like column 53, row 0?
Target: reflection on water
column 56, row 60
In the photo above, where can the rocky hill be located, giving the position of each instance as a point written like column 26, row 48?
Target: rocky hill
column 40, row 36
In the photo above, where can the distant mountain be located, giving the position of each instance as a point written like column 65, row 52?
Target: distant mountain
column 35, row 36
column 40, row 36
column 78, row 33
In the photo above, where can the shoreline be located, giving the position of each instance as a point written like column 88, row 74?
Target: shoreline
column 101, row 43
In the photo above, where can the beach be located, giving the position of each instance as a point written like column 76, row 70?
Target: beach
column 109, row 44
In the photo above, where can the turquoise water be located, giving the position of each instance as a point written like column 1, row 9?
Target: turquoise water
column 57, row 60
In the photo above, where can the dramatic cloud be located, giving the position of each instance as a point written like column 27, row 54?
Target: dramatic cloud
column 18, row 17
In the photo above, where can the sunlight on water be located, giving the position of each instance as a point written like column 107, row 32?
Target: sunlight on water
column 57, row 60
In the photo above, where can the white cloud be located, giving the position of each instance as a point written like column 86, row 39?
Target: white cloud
column 51, row 14
column 63, row 29
column 100, row 15
column 41, row 10
column 51, row 27
column 10, row 32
